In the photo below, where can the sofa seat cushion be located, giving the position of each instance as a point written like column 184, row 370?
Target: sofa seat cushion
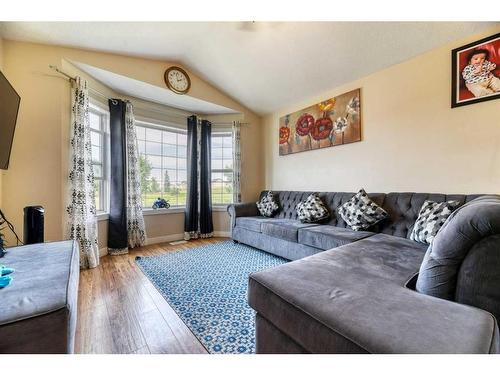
column 252, row 223
column 284, row 228
column 38, row 310
column 352, row 300
column 327, row 236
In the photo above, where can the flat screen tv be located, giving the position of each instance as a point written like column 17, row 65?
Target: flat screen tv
column 9, row 106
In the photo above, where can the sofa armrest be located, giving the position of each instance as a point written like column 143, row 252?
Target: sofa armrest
column 324, row 313
column 240, row 210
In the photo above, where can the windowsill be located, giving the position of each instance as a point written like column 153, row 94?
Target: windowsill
column 101, row 216
column 162, row 211
column 220, row 208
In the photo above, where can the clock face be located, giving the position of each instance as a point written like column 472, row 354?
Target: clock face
column 177, row 80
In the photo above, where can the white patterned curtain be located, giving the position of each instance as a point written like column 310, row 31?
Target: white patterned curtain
column 81, row 210
column 135, row 221
column 236, row 162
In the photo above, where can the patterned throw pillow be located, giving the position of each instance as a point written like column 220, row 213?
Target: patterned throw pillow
column 430, row 219
column 267, row 205
column 360, row 212
column 312, row 210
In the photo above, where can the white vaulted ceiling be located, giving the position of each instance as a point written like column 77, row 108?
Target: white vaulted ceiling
column 263, row 65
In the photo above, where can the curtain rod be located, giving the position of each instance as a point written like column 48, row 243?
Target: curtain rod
column 215, row 123
column 55, row 68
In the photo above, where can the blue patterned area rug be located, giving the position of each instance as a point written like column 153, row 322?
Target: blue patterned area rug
column 207, row 287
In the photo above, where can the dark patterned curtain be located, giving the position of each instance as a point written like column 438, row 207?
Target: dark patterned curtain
column 126, row 223
column 206, row 223
column 191, row 213
column 198, row 219
column 117, row 226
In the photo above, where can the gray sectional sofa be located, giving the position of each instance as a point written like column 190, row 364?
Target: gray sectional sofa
column 38, row 311
column 356, row 292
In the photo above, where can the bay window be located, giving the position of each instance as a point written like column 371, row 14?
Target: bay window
column 99, row 134
column 222, row 168
column 163, row 163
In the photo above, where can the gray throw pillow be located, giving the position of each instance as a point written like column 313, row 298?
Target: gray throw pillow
column 430, row 219
column 360, row 212
column 312, row 210
column 267, row 205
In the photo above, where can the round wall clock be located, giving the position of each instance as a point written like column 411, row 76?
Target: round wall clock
column 177, row 80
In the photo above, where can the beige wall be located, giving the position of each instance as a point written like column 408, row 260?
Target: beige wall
column 411, row 139
column 38, row 168
column 1, row 68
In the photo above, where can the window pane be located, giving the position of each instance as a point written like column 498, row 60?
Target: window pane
column 141, row 132
column 169, row 178
column 155, row 161
column 96, row 154
column 182, row 139
column 169, row 150
column 153, row 148
column 97, row 171
column 142, row 147
column 228, row 142
column 216, row 177
column 216, row 142
column 154, row 188
column 216, row 153
column 228, row 153
column 160, row 158
column 169, row 137
column 228, row 176
column 170, row 163
column 149, row 199
column 153, row 135
column 156, row 173
column 97, row 195
column 181, row 197
column 182, row 151
column 216, row 188
column 227, row 188
column 216, row 164
column 227, row 164
column 227, row 198
column 182, row 176
column 95, row 138
column 95, row 121
column 182, row 163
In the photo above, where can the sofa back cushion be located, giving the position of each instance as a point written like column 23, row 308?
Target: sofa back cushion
column 287, row 201
column 463, row 262
column 403, row 208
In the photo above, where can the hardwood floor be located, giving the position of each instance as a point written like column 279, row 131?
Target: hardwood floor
column 120, row 311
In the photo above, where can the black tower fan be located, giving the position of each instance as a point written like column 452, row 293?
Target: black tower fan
column 33, row 224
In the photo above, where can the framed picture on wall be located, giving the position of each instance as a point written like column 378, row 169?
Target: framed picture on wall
column 476, row 72
column 332, row 122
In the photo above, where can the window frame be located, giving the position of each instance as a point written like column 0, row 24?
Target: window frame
column 160, row 125
column 222, row 133
column 104, row 118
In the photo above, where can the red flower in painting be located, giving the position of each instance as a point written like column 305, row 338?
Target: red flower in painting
column 284, row 134
column 304, row 124
column 321, row 129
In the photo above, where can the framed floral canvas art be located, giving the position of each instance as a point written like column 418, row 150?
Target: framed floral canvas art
column 333, row 122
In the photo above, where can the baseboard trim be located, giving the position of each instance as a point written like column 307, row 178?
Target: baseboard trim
column 222, row 234
column 179, row 236
column 169, row 238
